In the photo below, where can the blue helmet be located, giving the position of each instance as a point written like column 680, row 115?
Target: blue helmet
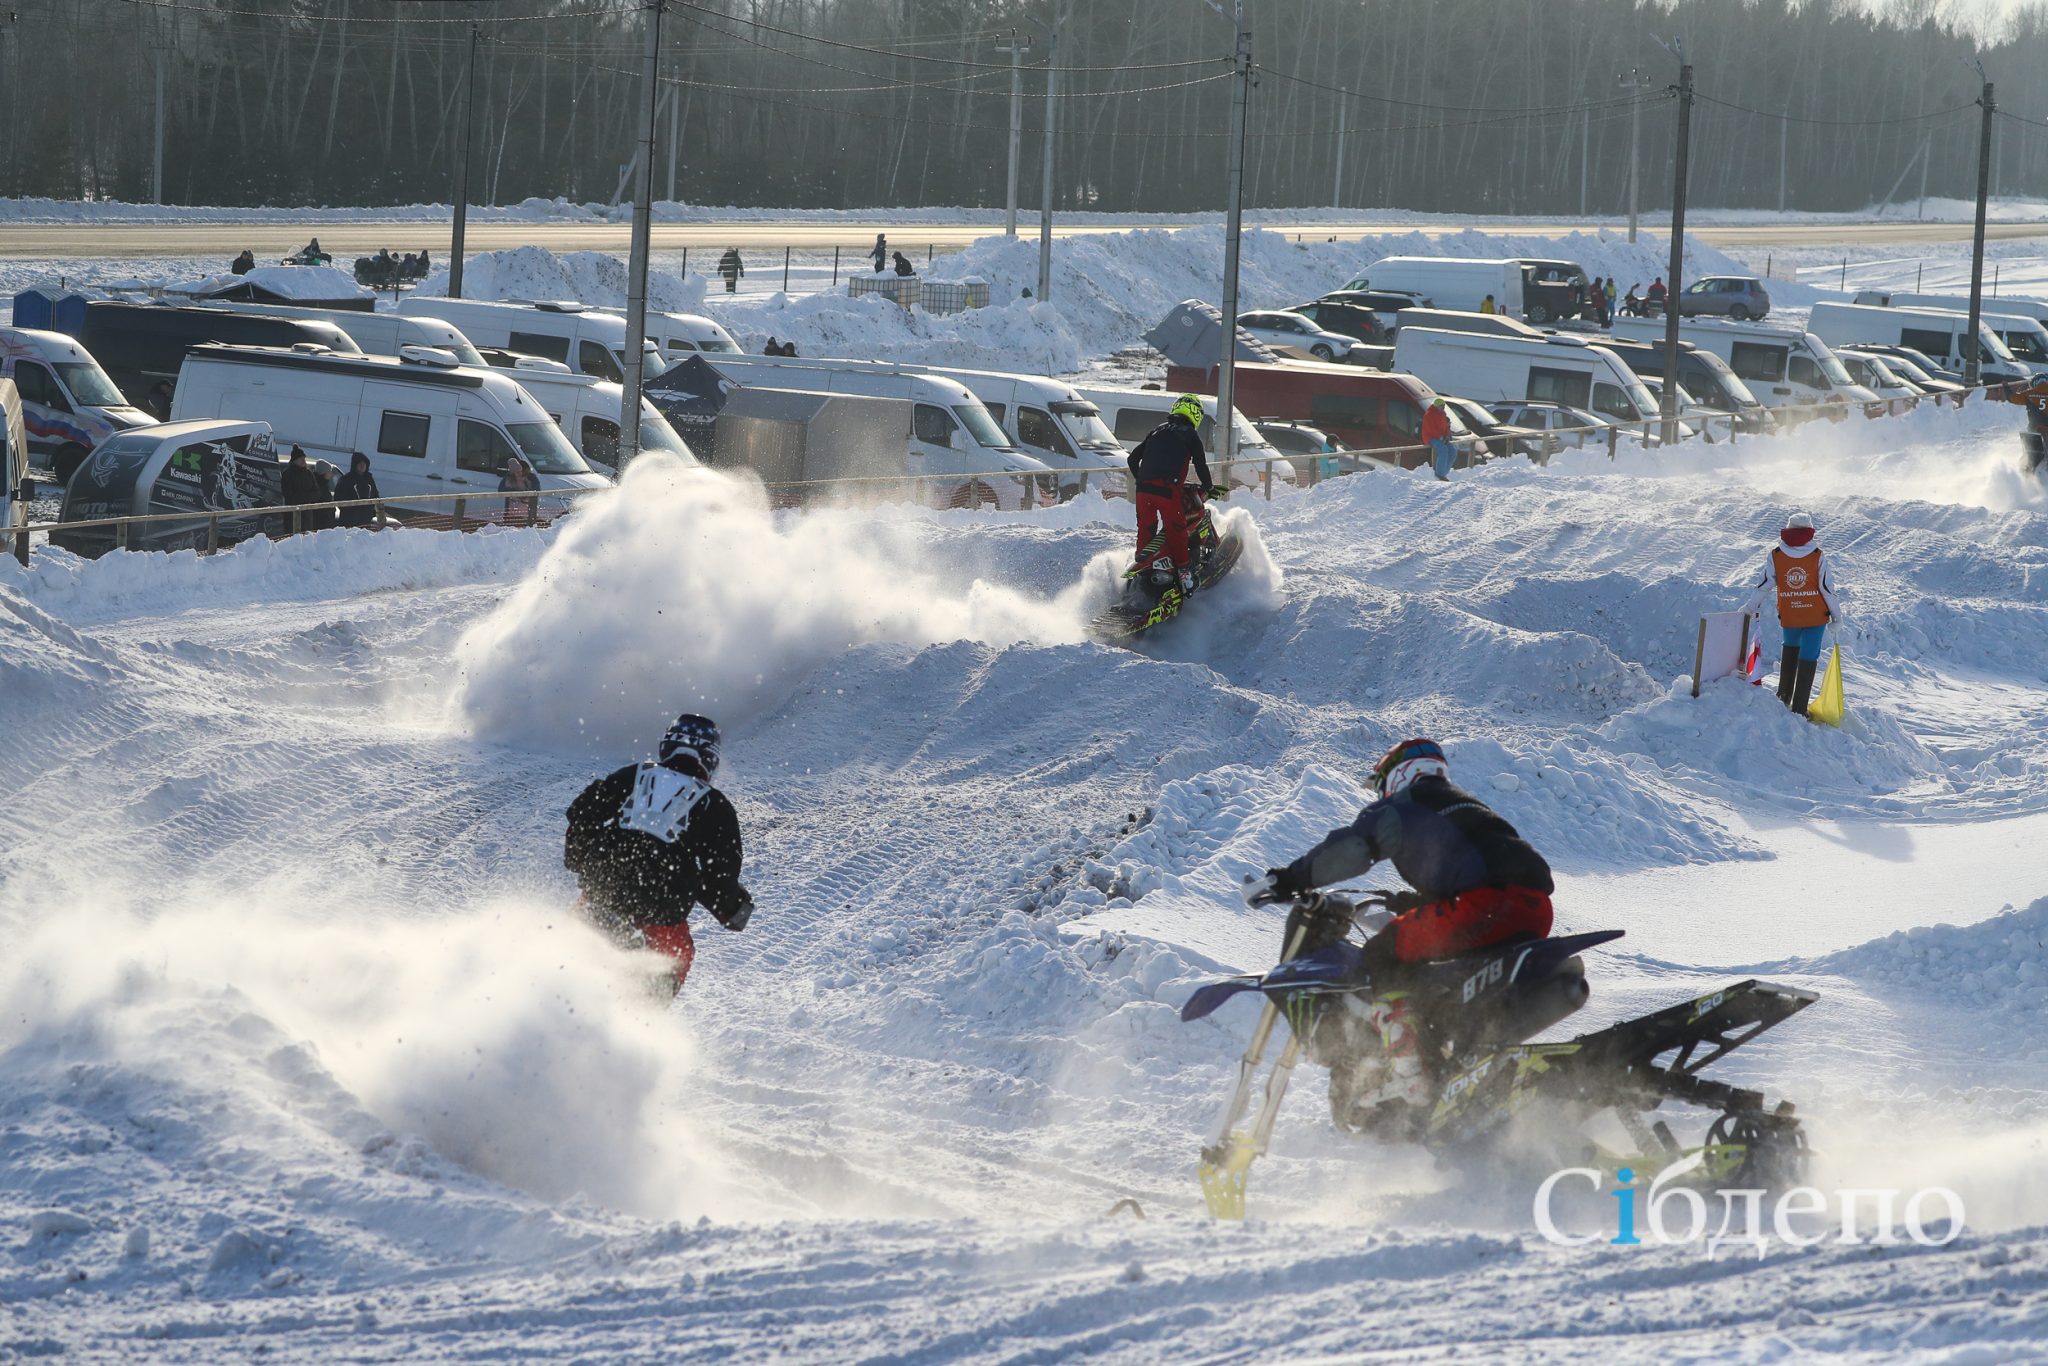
column 694, row 735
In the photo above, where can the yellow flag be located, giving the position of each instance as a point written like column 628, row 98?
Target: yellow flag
column 1827, row 708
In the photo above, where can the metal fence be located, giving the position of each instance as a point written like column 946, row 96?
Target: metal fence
column 472, row 512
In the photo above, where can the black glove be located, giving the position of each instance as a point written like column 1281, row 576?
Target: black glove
column 1274, row 886
column 736, row 915
column 1319, row 921
column 1402, row 902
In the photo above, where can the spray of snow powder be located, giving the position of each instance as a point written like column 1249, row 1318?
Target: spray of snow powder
column 684, row 591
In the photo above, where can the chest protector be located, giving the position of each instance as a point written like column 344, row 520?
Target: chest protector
column 1799, row 600
column 662, row 802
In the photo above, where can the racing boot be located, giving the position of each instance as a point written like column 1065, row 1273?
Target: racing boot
column 1187, row 582
column 1788, row 671
column 1405, row 1084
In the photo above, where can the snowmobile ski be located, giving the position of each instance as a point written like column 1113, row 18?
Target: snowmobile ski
column 1227, row 1157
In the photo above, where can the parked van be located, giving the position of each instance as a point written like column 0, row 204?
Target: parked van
column 428, row 425
column 589, row 341
column 1369, row 410
column 2022, row 324
column 1941, row 333
column 1702, row 374
column 1783, row 365
column 1047, row 419
column 950, row 431
column 1546, row 369
column 375, row 334
column 141, row 345
column 68, row 405
column 1448, row 281
column 1553, row 289
column 1461, row 320
column 1132, row 414
column 587, row 410
column 678, row 334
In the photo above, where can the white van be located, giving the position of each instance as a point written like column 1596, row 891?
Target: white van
column 2022, row 324
column 378, row 334
column 1449, row 281
column 1542, row 368
column 587, row 340
column 1131, row 414
column 429, row 426
column 678, row 334
column 950, row 431
column 1941, row 333
column 1785, row 366
column 68, row 405
column 1047, row 419
column 587, row 410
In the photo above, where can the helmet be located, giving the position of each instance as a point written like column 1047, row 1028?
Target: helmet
column 1404, row 763
column 1189, row 406
column 694, row 735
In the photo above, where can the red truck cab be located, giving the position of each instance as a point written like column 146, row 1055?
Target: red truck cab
column 1369, row 410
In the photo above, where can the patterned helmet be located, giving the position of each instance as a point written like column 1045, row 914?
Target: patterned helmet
column 1189, row 406
column 694, row 735
column 1404, row 763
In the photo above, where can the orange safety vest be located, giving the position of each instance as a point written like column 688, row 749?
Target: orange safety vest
column 1799, row 600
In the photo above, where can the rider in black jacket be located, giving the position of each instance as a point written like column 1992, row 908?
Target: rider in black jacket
column 652, row 840
column 1159, row 467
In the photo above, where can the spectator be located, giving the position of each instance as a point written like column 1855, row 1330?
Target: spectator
column 425, row 265
column 1653, row 298
column 1487, row 305
column 773, row 348
column 731, row 268
column 903, row 266
column 1436, row 434
column 1803, row 586
column 519, row 475
column 358, row 483
column 244, row 263
column 159, row 403
column 880, row 255
column 789, row 349
column 1613, row 297
column 301, row 486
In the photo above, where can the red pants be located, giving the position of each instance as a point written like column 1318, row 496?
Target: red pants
column 1469, row 920
column 1164, row 510
column 675, row 941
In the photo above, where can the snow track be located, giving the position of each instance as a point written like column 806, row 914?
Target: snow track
column 301, row 1055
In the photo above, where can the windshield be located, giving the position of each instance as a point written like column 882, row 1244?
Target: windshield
column 545, row 448
column 1992, row 345
column 981, row 426
column 720, row 340
column 89, row 384
column 1825, row 359
column 1900, row 366
column 464, row 352
column 657, row 435
column 1084, row 423
column 1730, row 383
column 2024, row 345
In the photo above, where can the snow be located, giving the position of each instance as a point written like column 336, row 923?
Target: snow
column 316, row 283
column 303, row 1056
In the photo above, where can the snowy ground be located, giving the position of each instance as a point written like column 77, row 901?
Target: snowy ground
column 301, row 1057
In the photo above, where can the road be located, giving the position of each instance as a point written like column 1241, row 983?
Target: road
column 345, row 240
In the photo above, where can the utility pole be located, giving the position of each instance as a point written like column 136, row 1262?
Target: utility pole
column 1016, row 50
column 462, row 167
column 1233, row 232
column 1634, row 82
column 163, row 56
column 1052, row 104
column 636, row 264
column 1973, row 352
column 675, row 135
column 1585, row 157
column 1337, row 189
column 1677, row 270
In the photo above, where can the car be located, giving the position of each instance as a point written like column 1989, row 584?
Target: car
column 1386, row 304
column 1502, row 439
column 1741, row 297
column 1313, row 452
column 1873, row 374
column 1944, row 380
column 1561, row 425
column 1280, row 328
column 1350, row 320
column 1929, row 384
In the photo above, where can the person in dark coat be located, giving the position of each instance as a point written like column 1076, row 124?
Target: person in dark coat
column 652, row 841
column 159, row 404
column 322, row 518
column 903, row 266
column 731, row 268
column 299, row 487
column 244, row 263
column 358, row 483
column 1159, row 468
column 880, row 255
column 1653, row 298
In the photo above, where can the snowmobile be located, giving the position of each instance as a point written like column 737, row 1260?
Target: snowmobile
column 1152, row 591
column 1475, row 1013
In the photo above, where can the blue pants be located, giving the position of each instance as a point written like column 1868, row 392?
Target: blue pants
column 1441, row 454
column 1804, row 639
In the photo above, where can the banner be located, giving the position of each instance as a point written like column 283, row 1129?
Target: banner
column 1723, row 647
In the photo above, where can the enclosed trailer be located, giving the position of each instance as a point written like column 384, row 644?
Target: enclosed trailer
column 197, row 467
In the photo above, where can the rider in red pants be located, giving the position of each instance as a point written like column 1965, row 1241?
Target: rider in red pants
column 1159, row 469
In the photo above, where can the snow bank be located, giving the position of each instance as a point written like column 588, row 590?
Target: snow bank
column 591, row 277
column 684, row 593
column 291, row 282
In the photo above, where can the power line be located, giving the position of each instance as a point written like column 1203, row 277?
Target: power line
column 210, row 11
column 1837, row 123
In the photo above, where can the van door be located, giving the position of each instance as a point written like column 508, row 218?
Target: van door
column 594, row 358
column 1042, row 438
column 1762, row 365
column 481, row 453
column 402, row 456
column 1572, row 388
column 935, row 441
column 46, row 412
